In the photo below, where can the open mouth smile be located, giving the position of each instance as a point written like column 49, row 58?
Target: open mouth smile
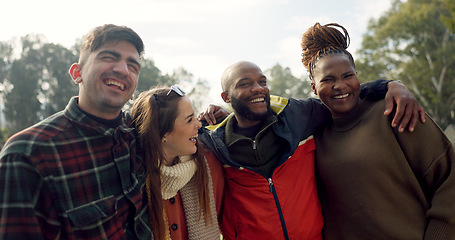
column 193, row 138
column 120, row 85
column 256, row 100
column 341, row 96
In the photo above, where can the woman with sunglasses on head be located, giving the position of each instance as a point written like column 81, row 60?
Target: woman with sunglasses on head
column 184, row 180
column 376, row 183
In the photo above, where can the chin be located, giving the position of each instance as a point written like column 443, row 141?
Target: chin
column 193, row 151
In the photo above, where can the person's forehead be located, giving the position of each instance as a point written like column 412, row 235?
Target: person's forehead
column 329, row 62
column 246, row 72
column 118, row 45
column 185, row 108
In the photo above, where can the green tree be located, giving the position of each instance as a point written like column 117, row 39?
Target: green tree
column 283, row 83
column 57, row 86
column 40, row 82
column 196, row 90
column 449, row 21
column 6, row 53
column 199, row 96
column 410, row 43
column 22, row 106
column 151, row 76
column 37, row 84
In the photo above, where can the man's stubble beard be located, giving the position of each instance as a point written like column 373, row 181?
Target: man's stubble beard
column 243, row 111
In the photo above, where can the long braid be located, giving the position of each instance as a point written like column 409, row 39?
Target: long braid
column 319, row 41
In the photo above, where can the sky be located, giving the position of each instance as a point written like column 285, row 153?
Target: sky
column 202, row 36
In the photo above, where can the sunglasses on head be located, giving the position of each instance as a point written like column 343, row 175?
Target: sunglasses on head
column 177, row 90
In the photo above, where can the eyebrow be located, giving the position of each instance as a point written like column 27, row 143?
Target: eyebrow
column 189, row 116
column 348, row 72
column 117, row 55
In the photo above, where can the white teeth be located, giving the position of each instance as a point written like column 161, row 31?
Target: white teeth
column 257, row 100
column 110, row 82
column 341, row 96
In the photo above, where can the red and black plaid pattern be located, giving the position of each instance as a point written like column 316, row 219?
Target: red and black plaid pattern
column 69, row 177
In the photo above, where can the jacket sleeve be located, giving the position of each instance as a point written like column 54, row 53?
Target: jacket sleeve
column 374, row 90
column 22, row 201
column 300, row 119
column 306, row 116
column 433, row 161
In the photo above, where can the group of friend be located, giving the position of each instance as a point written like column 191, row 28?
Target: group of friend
column 363, row 161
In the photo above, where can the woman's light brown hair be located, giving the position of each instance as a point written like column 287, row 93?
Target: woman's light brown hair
column 154, row 113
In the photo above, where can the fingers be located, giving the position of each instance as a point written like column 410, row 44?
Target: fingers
column 417, row 113
column 199, row 116
column 209, row 114
column 414, row 119
column 408, row 110
column 422, row 114
column 388, row 104
column 410, row 117
column 400, row 116
column 203, row 117
column 407, row 115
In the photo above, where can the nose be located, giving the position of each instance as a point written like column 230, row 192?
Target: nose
column 339, row 84
column 121, row 67
column 257, row 87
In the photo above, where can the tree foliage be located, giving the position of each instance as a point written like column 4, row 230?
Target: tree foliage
column 36, row 84
column 6, row 56
column 196, row 90
column 22, row 105
column 151, row 76
column 411, row 43
column 39, row 82
column 449, row 21
column 283, row 83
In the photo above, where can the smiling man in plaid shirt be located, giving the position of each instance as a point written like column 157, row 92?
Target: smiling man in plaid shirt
column 76, row 175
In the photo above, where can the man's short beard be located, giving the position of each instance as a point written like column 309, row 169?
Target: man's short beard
column 243, row 111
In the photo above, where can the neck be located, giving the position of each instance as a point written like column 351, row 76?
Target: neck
column 245, row 123
column 108, row 115
column 169, row 161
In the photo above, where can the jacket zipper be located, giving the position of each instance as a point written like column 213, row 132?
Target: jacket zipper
column 271, row 186
column 280, row 213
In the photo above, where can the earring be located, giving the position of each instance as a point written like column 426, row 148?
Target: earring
column 164, row 141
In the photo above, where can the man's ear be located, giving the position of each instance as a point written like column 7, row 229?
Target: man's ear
column 314, row 88
column 75, row 73
column 225, row 97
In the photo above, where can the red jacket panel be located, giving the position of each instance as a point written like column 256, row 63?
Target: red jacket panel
column 250, row 204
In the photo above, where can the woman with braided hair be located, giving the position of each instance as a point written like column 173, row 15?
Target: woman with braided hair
column 375, row 182
column 185, row 182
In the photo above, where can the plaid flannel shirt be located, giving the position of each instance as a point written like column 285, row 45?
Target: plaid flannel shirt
column 69, row 177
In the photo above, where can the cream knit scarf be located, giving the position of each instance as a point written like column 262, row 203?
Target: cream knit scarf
column 180, row 177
